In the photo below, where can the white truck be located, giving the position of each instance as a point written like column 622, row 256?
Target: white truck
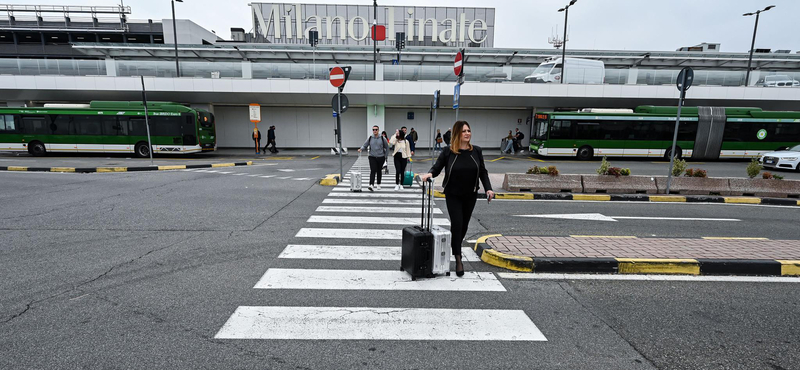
column 579, row 71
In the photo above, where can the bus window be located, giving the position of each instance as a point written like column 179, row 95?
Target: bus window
column 165, row 126
column 561, row 130
column 189, row 130
column 62, row 124
column 136, row 125
column 34, row 125
column 541, row 130
column 687, row 131
column 111, row 127
column 7, row 123
column 87, row 125
column 587, row 131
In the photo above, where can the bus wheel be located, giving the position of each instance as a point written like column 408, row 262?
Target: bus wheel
column 678, row 153
column 142, row 150
column 585, row 153
column 36, row 148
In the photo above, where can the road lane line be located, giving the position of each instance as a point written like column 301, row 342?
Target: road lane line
column 357, row 220
column 387, row 210
column 323, row 279
column 357, row 253
column 310, row 232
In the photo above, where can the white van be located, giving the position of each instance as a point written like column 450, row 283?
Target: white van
column 579, row 71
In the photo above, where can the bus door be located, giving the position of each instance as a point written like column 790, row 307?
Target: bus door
column 35, row 128
column 189, row 129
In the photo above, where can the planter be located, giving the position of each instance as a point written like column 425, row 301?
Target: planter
column 607, row 184
column 543, row 183
column 694, row 186
column 765, row 188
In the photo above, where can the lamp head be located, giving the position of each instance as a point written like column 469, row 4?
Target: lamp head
column 747, row 14
column 768, row 8
column 180, row 1
column 572, row 2
column 561, row 10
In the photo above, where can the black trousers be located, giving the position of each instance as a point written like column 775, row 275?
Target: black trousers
column 460, row 208
column 273, row 146
column 399, row 168
column 375, row 166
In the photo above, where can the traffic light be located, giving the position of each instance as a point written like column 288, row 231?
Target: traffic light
column 313, row 38
column 400, row 40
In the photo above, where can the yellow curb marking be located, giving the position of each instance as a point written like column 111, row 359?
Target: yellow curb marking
column 62, row 169
column 743, row 200
column 249, row 163
column 215, row 165
column 277, row 159
column 590, row 197
column 329, row 180
column 495, row 160
column 667, row 198
column 112, row 169
column 15, row 168
column 315, row 158
column 483, row 239
column 176, row 167
column 438, row 194
column 790, row 268
column 499, row 259
column 658, row 266
column 604, row 236
column 731, row 238
column 514, row 196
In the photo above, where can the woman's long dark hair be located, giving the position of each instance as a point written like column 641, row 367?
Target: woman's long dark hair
column 399, row 135
column 458, row 128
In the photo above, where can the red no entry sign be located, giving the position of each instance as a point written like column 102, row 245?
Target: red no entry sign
column 337, row 76
column 457, row 64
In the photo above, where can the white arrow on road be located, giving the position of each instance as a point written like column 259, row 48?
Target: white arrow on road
column 601, row 217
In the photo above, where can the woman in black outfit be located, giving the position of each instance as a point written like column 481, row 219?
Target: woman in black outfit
column 463, row 167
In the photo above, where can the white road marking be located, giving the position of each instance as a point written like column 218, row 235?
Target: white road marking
column 352, row 252
column 302, row 179
column 365, row 323
column 695, row 278
column 308, row 232
column 240, row 174
column 225, row 173
column 399, row 221
column 285, row 170
column 389, row 210
column 368, row 194
column 385, row 188
column 375, row 280
column 283, row 178
column 268, row 176
column 601, row 217
column 387, row 202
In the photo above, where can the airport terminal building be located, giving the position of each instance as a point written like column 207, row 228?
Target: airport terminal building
column 76, row 54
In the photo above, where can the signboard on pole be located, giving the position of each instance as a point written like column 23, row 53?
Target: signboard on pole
column 435, row 99
column 337, row 77
column 458, row 64
column 255, row 113
column 345, row 103
column 456, row 96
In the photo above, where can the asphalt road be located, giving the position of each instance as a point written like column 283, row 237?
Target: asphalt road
column 142, row 270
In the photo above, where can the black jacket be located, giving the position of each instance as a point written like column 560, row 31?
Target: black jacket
column 447, row 137
column 445, row 162
column 271, row 134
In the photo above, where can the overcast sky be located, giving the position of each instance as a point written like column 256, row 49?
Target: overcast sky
column 652, row 25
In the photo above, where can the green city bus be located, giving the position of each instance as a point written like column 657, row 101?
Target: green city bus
column 107, row 127
column 705, row 133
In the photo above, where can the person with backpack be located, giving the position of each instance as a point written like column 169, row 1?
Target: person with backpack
column 463, row 168
column 401, row 154
column 518, row 140
column 446, row 137
column 378, row 150
column 271, row 140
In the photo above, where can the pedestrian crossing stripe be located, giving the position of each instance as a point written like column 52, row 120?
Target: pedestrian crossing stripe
column 324, row 279
column 356, row 253
column 373, row 323
column 387, row 202
column 398, row 221
column 309, row 232
column 388, row 210
column 384, row 189
column 374, row 195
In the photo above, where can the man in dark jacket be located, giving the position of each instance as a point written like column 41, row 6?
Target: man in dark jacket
column 446, row 137
column 271, row 140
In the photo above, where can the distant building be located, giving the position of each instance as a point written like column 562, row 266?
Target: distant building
column 705, row 47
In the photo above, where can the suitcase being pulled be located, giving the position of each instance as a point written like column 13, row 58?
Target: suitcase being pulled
column 355, row 177
column 426, row 249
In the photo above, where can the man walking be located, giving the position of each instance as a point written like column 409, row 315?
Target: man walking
column 271, row 140
column 414, row 136
column 378, row 150
column 518, row 136
column 410, row 138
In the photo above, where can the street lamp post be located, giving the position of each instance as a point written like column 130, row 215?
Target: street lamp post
column 753, row 43
column 564, row 46
column 374, row 42
column 175, row 35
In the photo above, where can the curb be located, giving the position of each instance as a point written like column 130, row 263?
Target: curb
column 329, row 180
column 121, row 169
column 683, row 266
column 639, row 198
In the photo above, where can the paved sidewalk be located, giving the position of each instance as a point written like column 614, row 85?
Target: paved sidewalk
column 621, row 254
column 600, row 247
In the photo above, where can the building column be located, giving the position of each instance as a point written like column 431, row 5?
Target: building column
column 375, row 116
column 111, row 67
column 379, row 72
column 508, row 70
column 247, row 69
column 754, row 76
column 633, row 75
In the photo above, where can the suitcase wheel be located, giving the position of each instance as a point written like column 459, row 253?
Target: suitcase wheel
column 413, row 278
column 448, row 273
column 402, row 269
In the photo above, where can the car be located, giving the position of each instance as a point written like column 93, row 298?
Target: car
column 779, row 81
column 786, row 159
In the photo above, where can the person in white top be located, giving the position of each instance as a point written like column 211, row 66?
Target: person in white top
column 402, row 151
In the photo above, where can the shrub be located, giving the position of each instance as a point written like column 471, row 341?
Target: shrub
column 614, row 171
column 753, row 168
column 544, row 170
column 625, row 172
column 777, row 177
column 700, row 173
column 689, row 172
column 604, row 165
column 766, row 175
column 533, row 170
column 552, row 170
column 678, row 167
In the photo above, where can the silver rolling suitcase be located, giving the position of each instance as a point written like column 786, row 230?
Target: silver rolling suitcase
column 355, row 177
column 442, row 251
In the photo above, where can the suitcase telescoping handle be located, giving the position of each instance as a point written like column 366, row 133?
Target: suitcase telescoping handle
column 427, row 192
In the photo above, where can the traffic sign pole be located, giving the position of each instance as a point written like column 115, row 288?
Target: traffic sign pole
column 684, row 82
column 339, row 133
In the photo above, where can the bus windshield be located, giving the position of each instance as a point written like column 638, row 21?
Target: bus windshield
column 540, row 132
